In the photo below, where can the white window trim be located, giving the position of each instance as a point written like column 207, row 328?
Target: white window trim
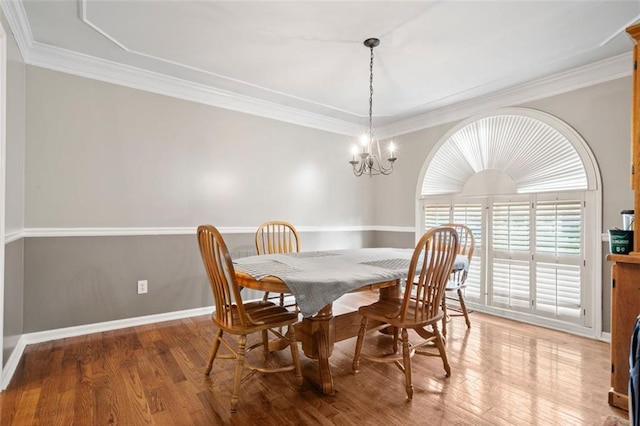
column 3, row 162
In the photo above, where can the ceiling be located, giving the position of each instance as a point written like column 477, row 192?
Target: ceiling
column 304, row 61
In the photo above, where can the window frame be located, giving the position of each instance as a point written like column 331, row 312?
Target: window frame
column 593, row 235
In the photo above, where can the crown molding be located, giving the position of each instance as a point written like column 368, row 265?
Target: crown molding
column 19, row 24
column 82, row 65
column 577, row 78
column 57, row 59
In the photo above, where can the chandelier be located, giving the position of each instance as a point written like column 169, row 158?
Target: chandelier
column 367, row 159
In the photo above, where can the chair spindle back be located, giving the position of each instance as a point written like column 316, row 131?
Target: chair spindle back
column 430, row 267
column 277, row 237
column 467, row 244
column 229, row 311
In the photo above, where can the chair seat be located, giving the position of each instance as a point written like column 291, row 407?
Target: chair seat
column 454, row 285
column 263, row 315
column 387, row 311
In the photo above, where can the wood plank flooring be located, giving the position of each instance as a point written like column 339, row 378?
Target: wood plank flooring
column 503, row 373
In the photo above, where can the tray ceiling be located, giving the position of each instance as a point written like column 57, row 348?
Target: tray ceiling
column 305, row 60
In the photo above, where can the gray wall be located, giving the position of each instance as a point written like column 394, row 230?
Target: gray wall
column 105, row 156
column 15, row 193
column 15, row 137
column 100, row 155
column 83, row 280
column 600, row 113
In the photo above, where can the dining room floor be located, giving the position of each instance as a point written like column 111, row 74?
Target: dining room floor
column 503, row 373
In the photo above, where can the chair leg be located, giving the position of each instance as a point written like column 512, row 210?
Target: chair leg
column 443, row 353
column 265, row 298
column 295, row 356
column 444, row 315
column 464, row 308
column 281, row 299
column 395, row 340
column 406, row 360
column 237, row 375
column 214, row 351
column 356, row 357
column 265, row 344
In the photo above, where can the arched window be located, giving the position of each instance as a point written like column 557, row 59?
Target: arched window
column 528, row 186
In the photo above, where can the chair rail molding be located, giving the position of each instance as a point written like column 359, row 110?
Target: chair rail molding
column 184, row 230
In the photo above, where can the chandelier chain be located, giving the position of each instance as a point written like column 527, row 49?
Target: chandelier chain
column 371, row 96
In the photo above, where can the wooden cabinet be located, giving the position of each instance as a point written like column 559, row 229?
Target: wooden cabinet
column 634, row 32
column 625, row 272
column 625, row 308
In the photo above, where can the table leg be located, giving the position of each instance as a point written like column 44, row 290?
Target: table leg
column 389, row 293
column 317, row 335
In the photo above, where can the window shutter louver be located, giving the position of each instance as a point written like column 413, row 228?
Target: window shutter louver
column 511, row 226
column 436, row 215
column 559, row 227
column 511, row 284
column 558, row 291
column 537, row 156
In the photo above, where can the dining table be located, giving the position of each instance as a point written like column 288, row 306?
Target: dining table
column 317, row 279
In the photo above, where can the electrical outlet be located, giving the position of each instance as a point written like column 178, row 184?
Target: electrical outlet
column 142, row 287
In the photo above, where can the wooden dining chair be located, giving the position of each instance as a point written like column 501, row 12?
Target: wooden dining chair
column 457, row 280
column 276, row 237
column 419, row 307
column 233, row 317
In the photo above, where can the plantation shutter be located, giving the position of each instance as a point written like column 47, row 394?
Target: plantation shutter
column 511, row 226
column 511, row 284
column 558, row 291
column 436, row 215
column 534, row 154
column 511, row 261
column 559, row 227
column 535, row 243
column 559, row 259
column 471, row 214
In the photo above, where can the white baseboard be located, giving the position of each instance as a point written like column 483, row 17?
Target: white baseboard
column 12, row 363
column 61, row 333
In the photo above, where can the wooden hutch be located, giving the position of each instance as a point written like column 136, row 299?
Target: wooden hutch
column 625, row 272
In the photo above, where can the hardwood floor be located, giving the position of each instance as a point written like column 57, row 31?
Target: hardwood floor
column 503, row 373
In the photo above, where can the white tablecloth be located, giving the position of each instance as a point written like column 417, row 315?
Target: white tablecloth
column 317, row 278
